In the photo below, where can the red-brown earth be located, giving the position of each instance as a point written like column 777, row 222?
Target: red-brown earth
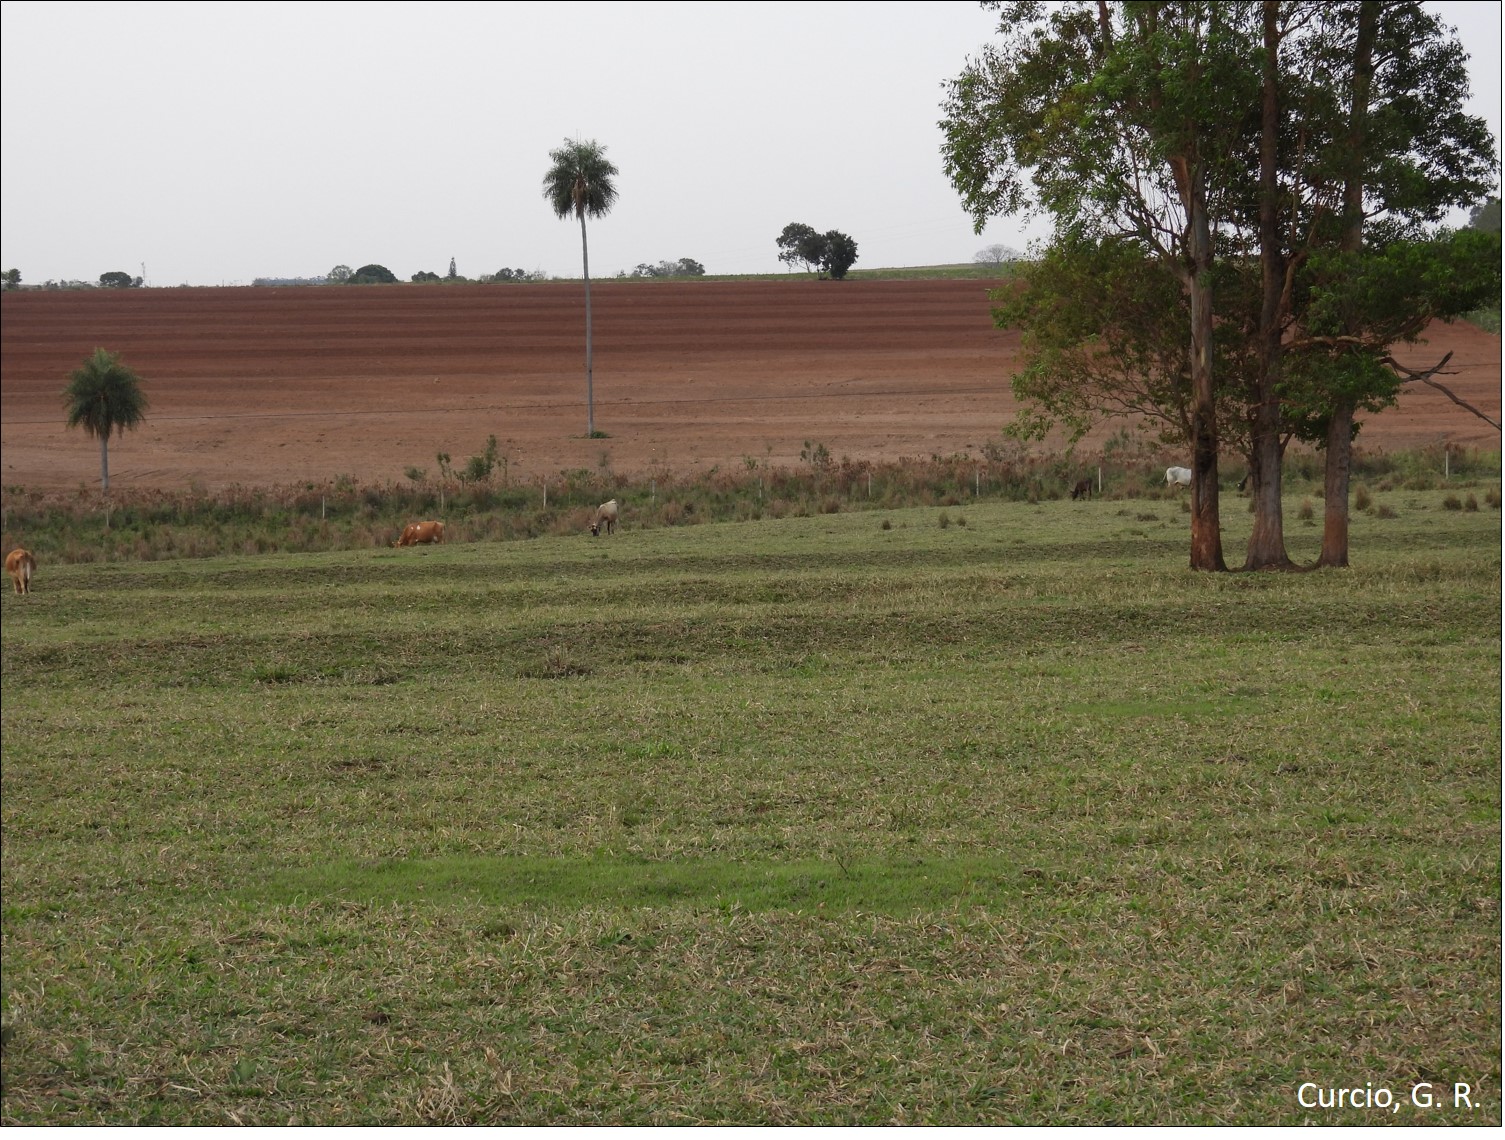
column 277, row 385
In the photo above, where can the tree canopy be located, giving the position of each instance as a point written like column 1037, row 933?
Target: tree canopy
column 1486, row 215
column 830, row 254
column 684, row 267
column 372, row 275
column 104, row 396
column 1268, row 176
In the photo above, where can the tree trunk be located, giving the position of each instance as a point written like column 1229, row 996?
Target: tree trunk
column 1340, row 428
column 104, row 462
column 590, row 396
column 1335, row 486
column 1206, row 533
column 1267, row 544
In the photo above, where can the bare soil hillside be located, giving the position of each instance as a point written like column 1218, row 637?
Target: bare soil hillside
column 265, row 386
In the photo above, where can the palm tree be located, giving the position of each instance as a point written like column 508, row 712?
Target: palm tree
column 580, row 183
column 104, row 396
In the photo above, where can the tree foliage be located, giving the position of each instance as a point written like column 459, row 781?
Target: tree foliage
column 995, row 254
column 1286, row 163
column 104, row 396
column 339, row 275
column 684, row 267
column 372, row 275
column 800, row 244
column 505, row 274
column 1117, row 121
column 830, row 254
column 119, row 279
column 1485, row 216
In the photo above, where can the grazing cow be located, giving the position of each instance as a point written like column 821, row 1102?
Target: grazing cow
column 1082, row 490
column 1178, row 476
column 415, row 534
column 1244, row 482
column 606, row 515
column 21, row 565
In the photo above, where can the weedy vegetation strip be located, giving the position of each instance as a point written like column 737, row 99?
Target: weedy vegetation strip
column 848, row 818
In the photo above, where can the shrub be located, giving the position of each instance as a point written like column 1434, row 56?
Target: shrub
column 1452, row 503
column 1361, row 498
column 1306, row 512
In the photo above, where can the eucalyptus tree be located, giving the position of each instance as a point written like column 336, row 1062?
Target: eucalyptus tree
column 580, row 182
column 104, row 396
column 1380, row 148
column 1119, row 122
column 1291, row 157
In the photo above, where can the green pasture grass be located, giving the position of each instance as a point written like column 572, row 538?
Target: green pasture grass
column 844, row 819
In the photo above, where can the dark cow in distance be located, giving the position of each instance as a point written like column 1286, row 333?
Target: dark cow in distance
column 418, row 533
column 1082, row 490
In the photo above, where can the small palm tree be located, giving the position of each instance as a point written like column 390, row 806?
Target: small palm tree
column 580, row 183
column 104, row 396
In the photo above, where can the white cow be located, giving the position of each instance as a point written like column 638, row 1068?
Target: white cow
column 1178, row 476
column 606, row 515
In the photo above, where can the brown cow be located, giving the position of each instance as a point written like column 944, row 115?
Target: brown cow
column 415, row 534
column 1083, row 489
column 21, row 565
column 606, row 515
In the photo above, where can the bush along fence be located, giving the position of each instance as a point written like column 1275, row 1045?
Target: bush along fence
column 83, row 526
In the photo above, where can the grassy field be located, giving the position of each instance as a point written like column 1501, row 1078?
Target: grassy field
column 980, row 814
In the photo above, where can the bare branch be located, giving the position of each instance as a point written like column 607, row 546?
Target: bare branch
column 1426, row 377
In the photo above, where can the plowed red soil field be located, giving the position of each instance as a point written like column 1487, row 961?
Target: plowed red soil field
column 268, row 386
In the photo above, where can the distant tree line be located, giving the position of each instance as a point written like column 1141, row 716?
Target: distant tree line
column 684, row 267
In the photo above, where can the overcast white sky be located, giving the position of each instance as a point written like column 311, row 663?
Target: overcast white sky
column 219, row 142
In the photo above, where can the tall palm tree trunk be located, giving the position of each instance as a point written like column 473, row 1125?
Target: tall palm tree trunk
column 104, row 461
column 590, row 397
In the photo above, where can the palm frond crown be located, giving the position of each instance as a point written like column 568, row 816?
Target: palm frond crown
column 103, row 396
column 579, row 181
